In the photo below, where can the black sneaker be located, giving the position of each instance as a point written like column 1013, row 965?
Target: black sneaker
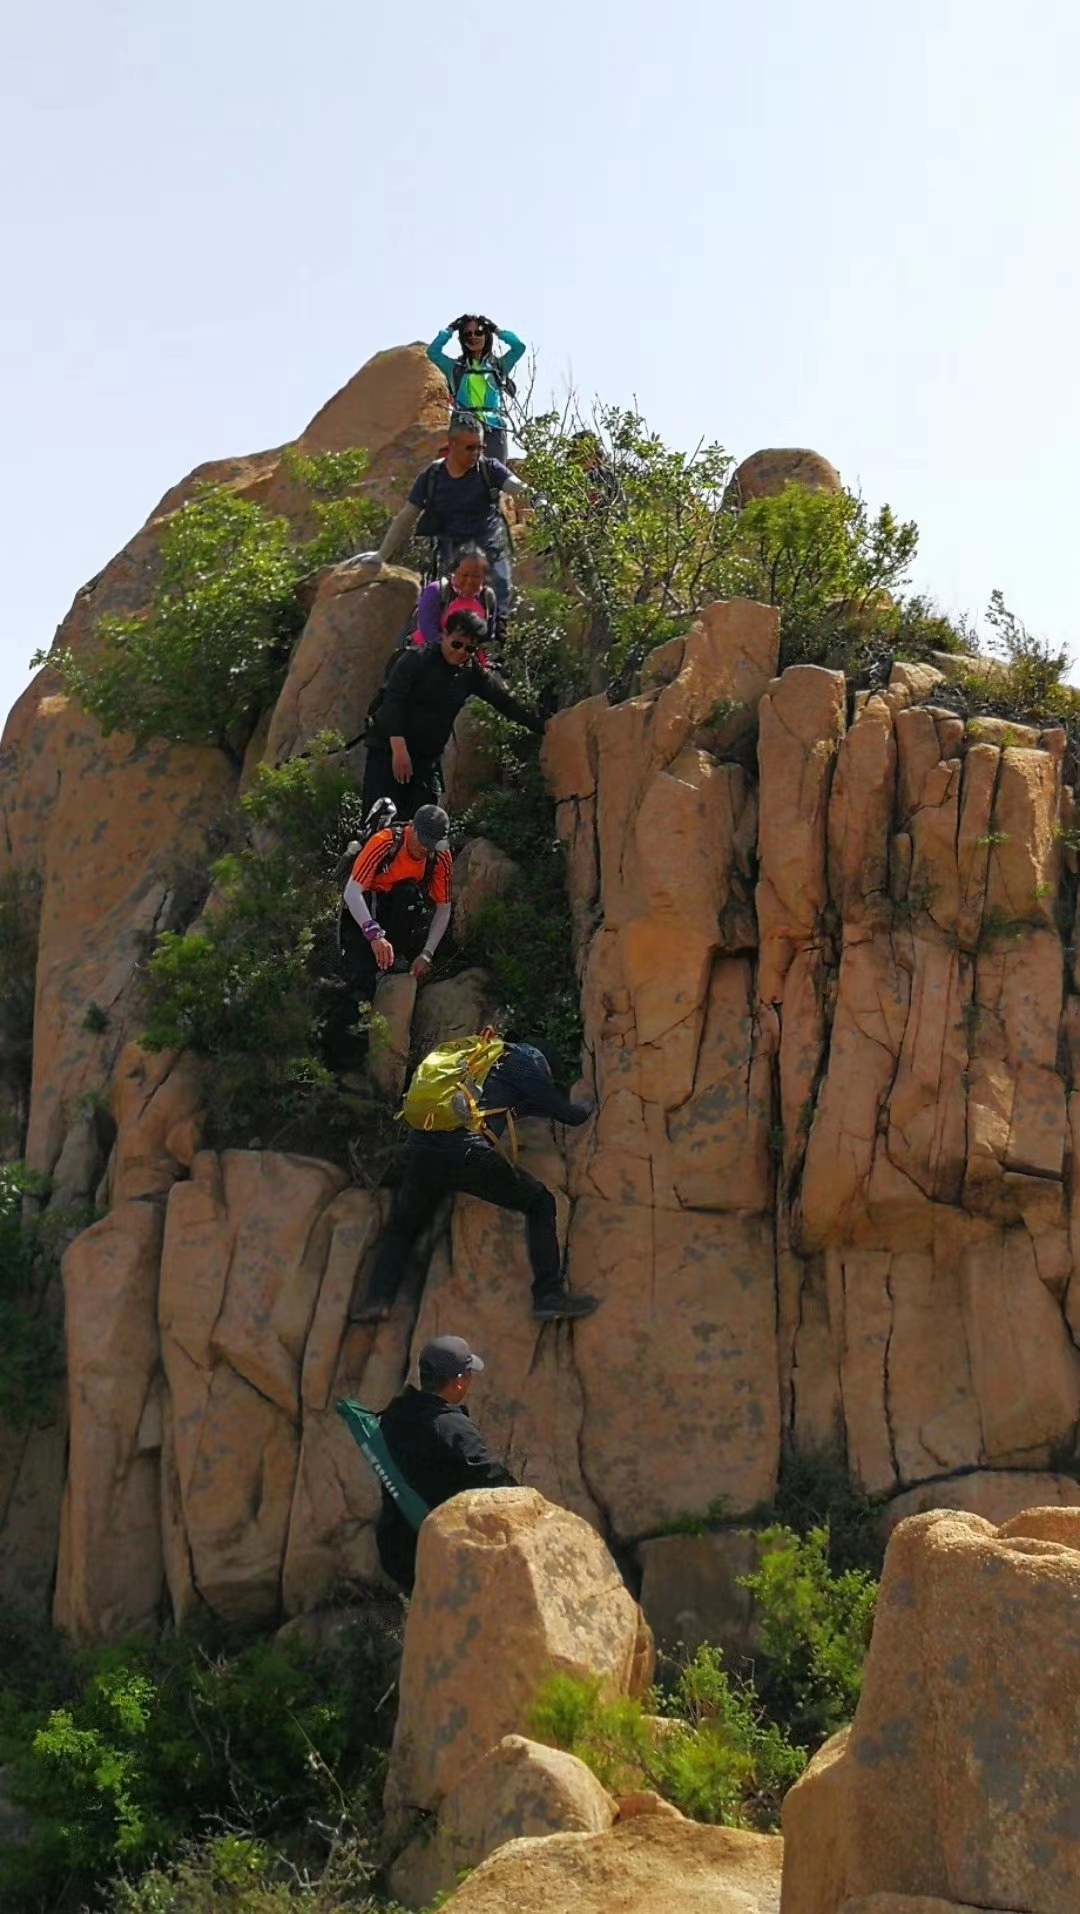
column 563, row 1306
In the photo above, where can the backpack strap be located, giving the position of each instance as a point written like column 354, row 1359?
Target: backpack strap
column 483, row 466
column 397, row 839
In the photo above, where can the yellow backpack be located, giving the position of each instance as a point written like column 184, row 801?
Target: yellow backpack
column 445, row 1090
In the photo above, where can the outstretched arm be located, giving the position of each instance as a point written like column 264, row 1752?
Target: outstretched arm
column 438, row 355
column 485, row 685
column 398, row 532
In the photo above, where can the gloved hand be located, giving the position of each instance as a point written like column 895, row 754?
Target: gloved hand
column 364, row 558
column 456, row 324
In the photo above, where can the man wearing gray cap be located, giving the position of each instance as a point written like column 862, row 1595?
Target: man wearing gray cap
column 396, row 902
column 435, row 1446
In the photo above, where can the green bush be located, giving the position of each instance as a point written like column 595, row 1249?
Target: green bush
column 1021, row 677
column 210, row 653
column 826, row 563
column 707, row 1747
column 657, row 536
column 816, row 1490
column 524, row 937
column 236, row 1875
column 644, row 549
column 815, row 1630
column 157, row 1745
column 345, row 522
column 31, row 1343
column 251, row 987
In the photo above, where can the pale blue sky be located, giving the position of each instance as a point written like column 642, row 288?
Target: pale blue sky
column 842, row 225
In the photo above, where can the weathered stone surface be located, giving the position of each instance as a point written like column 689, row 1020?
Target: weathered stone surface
column 646, row 1864
column 450, row 1007
column 958, row 1774
column 520, row 1789
column 699, row 1289
column 909, row 1904
column 339, row 661
column 245, row 1246
column 110, row 1573
column 509, row 1590
column 766, row 473
column 395, row 393
column 802, row 723
column 393, row 1003
column 995, row 1494
column 481, row 872
column 690, row 1591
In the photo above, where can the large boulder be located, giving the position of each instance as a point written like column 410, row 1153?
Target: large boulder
column 339, row 662
column 959, row 1775
column 519, row 1789
column 766, row 473
column 648, row 1863
column 509, row 1591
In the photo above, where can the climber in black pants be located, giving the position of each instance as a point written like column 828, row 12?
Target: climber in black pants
column 441, row 1162
column 412, row 716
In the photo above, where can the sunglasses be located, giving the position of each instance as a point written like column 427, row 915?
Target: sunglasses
column 463, row 644
column 472, row 332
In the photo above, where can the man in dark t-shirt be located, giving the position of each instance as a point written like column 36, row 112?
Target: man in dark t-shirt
column 435, row 1446
column 460, row 506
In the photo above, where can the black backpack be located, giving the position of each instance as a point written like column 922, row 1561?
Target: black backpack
column 427, row 525
column 380, row 818
column 401, row 650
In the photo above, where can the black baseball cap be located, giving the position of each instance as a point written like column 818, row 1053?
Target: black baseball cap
column 447, row 1357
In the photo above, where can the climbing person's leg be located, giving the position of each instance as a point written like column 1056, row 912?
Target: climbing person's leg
column 424, row 787
column 482, row 1171
column 379, row 780
column 495, row 443
column 422, row 1190
column 343, row 1049
column 500, row 569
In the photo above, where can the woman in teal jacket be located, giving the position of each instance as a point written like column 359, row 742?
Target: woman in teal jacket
column 479, row 379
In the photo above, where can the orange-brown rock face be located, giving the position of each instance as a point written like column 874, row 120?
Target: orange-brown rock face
column 830, row 1183
column 120, row 838
column 958, row 1776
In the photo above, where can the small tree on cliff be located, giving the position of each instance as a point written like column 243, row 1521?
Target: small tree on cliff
column 636, row 529
column 209, row 653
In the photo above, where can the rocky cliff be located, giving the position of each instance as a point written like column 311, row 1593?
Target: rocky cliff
column 825, row 943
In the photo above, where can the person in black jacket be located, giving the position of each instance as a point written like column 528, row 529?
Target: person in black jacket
column 441, row 1161
column 412, row 720
column 436, row 1447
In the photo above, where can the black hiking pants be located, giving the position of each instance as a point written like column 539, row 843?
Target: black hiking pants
column 438, row 1166
column 424, row 787
column 405, row 916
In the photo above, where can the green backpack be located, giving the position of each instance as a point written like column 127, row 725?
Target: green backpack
column 364, row 1427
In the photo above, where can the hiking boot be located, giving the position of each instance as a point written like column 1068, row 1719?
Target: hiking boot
column 563, row 1306
column 370, row 1313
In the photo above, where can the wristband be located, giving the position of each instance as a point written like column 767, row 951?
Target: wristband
column 372, row 931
